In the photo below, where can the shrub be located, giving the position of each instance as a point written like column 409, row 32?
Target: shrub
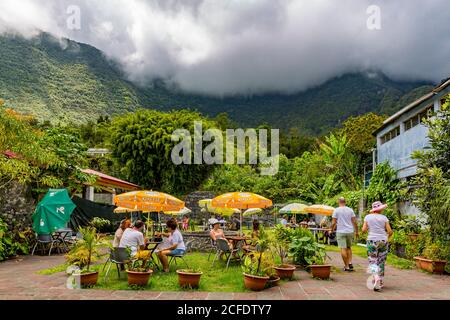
column 12, row 244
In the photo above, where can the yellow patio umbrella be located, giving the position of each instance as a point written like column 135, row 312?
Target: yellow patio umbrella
column 207, row 206
column 252, row 211
column 241, row 201
column 320, row 209
column 294, row 208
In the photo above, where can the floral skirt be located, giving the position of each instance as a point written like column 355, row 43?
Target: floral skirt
column 377, row 252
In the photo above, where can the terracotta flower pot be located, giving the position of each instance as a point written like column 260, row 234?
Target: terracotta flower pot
column 320, row 271
column 255, row 283
column 138, row 278
column 432, row 266
column 413, row 236
column 189, row 279
column 273, row 281
column 285, row 271
column 89, row 278
column 418, row 261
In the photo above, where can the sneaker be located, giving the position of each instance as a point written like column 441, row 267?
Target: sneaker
column 348, row 270
column 377, row 285
column 350, row 266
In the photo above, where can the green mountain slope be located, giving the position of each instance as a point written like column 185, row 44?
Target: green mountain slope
column 63, row 80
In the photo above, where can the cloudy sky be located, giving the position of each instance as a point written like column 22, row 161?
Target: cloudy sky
column 223, row 47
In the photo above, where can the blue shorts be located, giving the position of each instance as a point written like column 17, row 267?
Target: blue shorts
column 177, row 252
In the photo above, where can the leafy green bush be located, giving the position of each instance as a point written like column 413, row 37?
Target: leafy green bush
column 13, row 244
column 102, row 225
column 303, row 250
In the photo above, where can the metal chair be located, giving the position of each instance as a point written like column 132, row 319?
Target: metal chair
column 173, row 258
column 224, row 249
column 44, row 240
column 119, row 257
column 213, row 248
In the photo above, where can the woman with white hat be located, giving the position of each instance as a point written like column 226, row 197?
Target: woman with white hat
column 377, row 242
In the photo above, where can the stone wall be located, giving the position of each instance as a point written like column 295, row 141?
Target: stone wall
column 16, row 206
column 192, row 203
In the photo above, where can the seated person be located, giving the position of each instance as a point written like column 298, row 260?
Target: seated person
column 283, row 221
column 216, row 232
column 124, row 224
column 210, row 220
column 255, row 236
column 177, row 246
column 185, row 223
column 311, row 223
column 304, row 223
column 133, row 238
column 255, row 232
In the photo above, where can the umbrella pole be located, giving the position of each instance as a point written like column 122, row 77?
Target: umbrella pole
column 241, row 222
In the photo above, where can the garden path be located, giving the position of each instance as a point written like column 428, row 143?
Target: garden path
column 19, row 280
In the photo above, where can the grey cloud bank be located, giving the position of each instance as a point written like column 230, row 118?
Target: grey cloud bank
column 224, row 47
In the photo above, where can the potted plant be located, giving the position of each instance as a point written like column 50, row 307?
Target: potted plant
column 258, row 266
column 317, row 263
column 280, row 245
column 399, row 243
column 189, row 278
column 302, row 250
column 139, row 271
column 434, row 257
column 84, row 253
column 411, row 225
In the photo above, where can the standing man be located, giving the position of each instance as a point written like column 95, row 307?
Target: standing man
column 344, row 223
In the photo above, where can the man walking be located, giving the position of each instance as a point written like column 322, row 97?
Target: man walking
column 344, row 223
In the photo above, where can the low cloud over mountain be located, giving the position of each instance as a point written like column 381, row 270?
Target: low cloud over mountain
column 225, row 47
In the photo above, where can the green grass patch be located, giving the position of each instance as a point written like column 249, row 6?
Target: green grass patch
column 214, row 279
column 53, row 270
column 392, row 259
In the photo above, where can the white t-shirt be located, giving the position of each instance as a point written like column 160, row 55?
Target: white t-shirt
column 344, row 216
column 377, row 226
column 132, row 239
column 177, row 238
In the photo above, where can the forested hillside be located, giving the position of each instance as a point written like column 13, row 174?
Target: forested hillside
column 62, row 81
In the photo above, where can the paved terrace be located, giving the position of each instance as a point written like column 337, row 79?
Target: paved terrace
column 18, row 280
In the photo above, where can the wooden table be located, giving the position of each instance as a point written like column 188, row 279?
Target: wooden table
column 237, row 239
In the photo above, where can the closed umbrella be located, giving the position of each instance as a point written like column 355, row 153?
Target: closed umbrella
column 241, row 201
column 53, row 212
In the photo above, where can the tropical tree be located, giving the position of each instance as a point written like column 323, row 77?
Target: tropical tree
column 142, row 144
column 432, row 182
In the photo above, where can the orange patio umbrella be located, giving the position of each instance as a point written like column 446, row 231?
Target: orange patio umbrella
column 319, row 209
column 148, row 201
column 241, row 201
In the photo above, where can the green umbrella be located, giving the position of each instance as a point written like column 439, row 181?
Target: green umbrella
column 53, row 212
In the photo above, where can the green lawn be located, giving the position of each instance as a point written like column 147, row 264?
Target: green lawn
column 214, row 279
column 392, row 259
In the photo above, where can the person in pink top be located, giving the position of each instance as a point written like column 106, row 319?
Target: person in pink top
column 379, row 230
